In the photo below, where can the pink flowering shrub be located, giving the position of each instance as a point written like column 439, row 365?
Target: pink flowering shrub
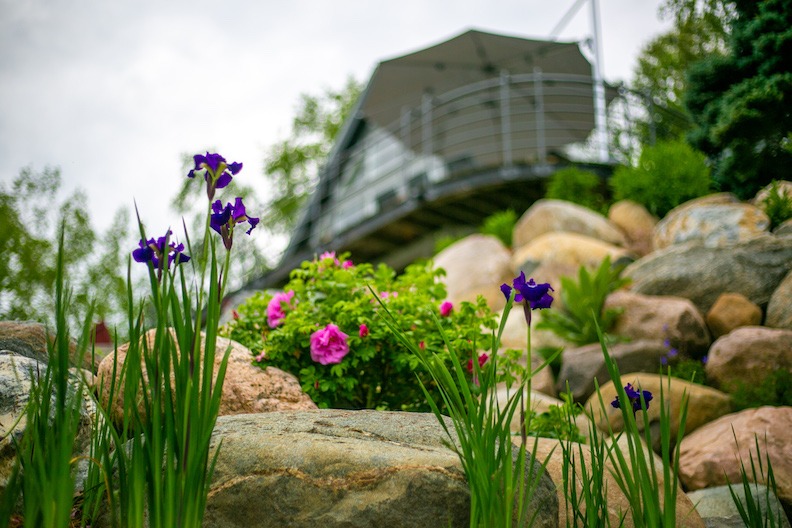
column 330, row 333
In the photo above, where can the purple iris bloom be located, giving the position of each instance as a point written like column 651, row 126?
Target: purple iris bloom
column 218, row 173
column 154, row 251
column 635, row 398
column 533, row 296
column 225, row 218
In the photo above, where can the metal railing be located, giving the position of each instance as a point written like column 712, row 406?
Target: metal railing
column 502, row 123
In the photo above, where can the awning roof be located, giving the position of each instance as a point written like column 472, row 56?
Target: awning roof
column 465, row 59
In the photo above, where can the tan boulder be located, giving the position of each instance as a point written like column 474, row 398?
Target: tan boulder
column 476, row 265
column 779, row 309
column 710, row 221
column 542, row 403
column 747, row 355
column 637, row 224
column 704, row 404
column 547, row 216
column 730, row 311
column 551, row 256
column 784, row 187
column 660, row 317
column 711, row 455
column 247, row 388
column 29, row 339
column 617, row 503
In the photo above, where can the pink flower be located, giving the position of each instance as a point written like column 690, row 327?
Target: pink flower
column 445, row 308
column 481, row 360
column 329, row 255
column 329, row 345
column 363, row 332
column 275, row 308
column 261, row 356
column 347, row 264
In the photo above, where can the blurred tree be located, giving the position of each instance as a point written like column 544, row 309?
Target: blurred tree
column 701, row 29
column 291, row 166
column 741, row 102
column 30, row 217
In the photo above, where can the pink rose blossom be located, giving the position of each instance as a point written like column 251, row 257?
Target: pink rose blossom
column 275, row 308
column 327, row 254
column 445, row 308
column 348, row 264
column 481, row 360
column 329, row 345
column 363, row 332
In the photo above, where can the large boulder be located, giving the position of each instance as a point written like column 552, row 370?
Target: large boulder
column 334, row 468
column 718, row 510
column 660, row 317
column 637, row 224
column 476, row 265
column 731, row 311
column 779, row 309
column 30, row 338
column 568, row 250
column 711, row 455
column 705, row 404
column 616, row 502
column 710, row 224
column 583, row 366
column 246, row 389
column 753, row 268
column 17, row 373
column 547, row 216
column 747, row 355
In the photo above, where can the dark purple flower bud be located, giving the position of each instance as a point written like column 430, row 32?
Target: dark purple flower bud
column 225, row 218
column 155, row 251
column 634, row 396
column 533, row 296
column 218, row 173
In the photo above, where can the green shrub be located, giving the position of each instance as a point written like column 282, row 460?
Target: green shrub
column 775, row 389
column 577, row 186
column 777, row 205
column 500, row 225
column 582, row 298
column 377, row 372
column 667, row 175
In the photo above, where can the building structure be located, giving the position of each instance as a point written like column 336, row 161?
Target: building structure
column 443, row 137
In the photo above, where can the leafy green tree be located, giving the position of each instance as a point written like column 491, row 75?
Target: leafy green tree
column 741, row 101
column 701, row 29
column 292, row 165
column 30, row 219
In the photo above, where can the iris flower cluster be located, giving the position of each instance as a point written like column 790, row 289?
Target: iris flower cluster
column 160, row 252
column 218, row 173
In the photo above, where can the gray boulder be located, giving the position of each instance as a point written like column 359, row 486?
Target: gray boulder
column 333, row 468
column 17, row 374
column 583, row 365
column 717, row 508
column 753, row 268
column 779, row 309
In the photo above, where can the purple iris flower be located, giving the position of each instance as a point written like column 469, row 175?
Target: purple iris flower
column 635, row 398
column 218, row 173
column 225, row 218
column 533, row 296
column 155, row 251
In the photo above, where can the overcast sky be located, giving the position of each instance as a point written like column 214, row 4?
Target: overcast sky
column 114, row 91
